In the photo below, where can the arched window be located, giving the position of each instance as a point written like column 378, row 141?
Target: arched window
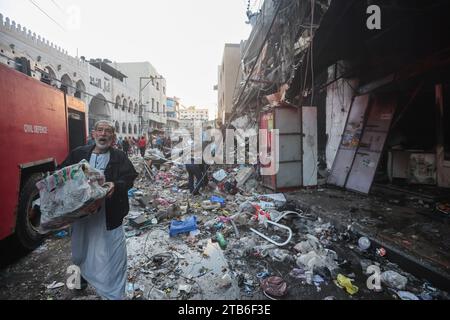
column 117, row 102
column 135, row 108
column 124, row 104
column 49, row 77
column 130, row 107
column 135, row 129
column 66, row 84
column 80, row 89
column 124, row 128
column 117, row 125
column 129, row 129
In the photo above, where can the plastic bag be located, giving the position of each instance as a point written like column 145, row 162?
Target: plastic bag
column 66, row 193
column 274, row 286
column 394, row 280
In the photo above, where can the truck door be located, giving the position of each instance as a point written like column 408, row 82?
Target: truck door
column 77, row 130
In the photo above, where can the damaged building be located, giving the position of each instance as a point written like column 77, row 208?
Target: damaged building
column 380, row 95
column 360, row 107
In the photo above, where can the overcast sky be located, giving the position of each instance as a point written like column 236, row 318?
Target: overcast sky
column 183, row 39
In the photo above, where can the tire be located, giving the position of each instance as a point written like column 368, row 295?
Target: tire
column 28, row 218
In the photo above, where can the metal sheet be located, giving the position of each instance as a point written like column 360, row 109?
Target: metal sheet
column 350, row 141
column 287, row 120
column 290, row 148
column 372, row 142
column 309, row 143
column 289, row 175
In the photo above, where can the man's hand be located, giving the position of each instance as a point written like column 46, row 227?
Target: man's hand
column 93, row 207
column 111, row 189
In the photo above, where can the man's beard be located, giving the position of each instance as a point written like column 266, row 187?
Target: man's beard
column 103, row 143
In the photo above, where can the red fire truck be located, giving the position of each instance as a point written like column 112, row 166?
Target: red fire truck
column 39, row 125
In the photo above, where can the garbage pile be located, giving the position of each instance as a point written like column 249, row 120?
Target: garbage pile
column 246, row 243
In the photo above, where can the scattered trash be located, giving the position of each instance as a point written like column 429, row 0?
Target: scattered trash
column 131, row 192
column 55, row 285
column 139, row 222
column 216, row 199
column 61, row 234
column 381, row 252
column 278, row 198
column 221, row 240
column 274, row 286
column 226, row 280
column 298, row 273
column 344, row 282
column 317, row 279
column 194, row 233
column 243, row 175
column 220, row 175
column 208, row 205
column 176, row 226
column 406, row 295
column 155, row 294
column 263, row 275
column 184, row 288
column 394, row 280
column 443, row 207
column 279, row 255
column 364, row 243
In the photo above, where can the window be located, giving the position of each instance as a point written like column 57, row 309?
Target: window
column 164, row 108
column 129, row 128
column 157, row 106
column 153, row 105
column 135, row 129
column 117, row 125
column 124, row 128
column 117, row 102
column 124, row 104
column 157, row 86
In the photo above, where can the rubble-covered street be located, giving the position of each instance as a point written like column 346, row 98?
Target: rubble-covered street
column 305, row 256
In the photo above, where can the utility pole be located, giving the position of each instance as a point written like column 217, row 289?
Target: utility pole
column 141, row 109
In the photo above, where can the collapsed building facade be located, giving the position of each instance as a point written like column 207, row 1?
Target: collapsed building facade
column 379, row 95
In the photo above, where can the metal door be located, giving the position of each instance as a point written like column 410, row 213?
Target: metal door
column 350, row 141
column 372, row 142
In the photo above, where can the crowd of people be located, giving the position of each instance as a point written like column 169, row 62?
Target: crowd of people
column 135, row 146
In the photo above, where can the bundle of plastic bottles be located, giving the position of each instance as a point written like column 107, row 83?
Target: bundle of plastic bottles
column 65, row 194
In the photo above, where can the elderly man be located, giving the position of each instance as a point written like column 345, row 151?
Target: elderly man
column 98, row 241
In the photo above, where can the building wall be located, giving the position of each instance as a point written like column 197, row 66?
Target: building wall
column 153, row 95
column 230, row 77
column 16, row 41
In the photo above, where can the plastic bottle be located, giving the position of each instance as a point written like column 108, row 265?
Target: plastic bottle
column 221, row 240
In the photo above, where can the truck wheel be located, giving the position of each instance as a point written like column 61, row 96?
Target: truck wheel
column 28, row 217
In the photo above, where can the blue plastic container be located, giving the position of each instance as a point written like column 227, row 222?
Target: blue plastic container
column 188, row 225
column 218, row 199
